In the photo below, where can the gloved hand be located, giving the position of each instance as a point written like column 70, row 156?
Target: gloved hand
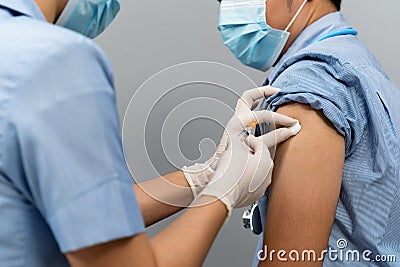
column 243, row 172
column 198, row 175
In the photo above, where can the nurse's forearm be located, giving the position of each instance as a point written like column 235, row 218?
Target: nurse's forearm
column 162, row 197
column 188, row 239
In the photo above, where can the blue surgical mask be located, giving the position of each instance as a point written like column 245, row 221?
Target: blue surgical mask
column 246, row 33
column 88, row 17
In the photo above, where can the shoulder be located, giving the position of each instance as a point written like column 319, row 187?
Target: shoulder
column 51, row 65
column 342, row 57
column 324, row 79
column 330, row 64
column 34, row 46
column 33, row 32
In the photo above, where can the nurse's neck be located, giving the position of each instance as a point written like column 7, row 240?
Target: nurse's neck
column 51, row 9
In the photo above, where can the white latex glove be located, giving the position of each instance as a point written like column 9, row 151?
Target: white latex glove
column 198, row 175
column 244, row 171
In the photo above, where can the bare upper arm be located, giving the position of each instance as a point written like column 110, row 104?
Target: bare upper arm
column 305, row 186
column 127, row 252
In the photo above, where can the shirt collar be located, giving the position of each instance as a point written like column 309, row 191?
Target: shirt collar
column 25, row 7
column 328, row 23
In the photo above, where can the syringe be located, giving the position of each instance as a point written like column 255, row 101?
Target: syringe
column 246, row 132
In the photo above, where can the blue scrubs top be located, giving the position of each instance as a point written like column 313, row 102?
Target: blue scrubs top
column 64, row 183
column 340, row 77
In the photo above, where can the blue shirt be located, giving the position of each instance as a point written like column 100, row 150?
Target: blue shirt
column 340, row 77
column 64, row 183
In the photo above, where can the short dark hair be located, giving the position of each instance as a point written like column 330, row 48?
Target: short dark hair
column 337, row 3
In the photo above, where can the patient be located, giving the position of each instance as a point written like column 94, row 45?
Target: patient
column 339, row 178
column 336, row 184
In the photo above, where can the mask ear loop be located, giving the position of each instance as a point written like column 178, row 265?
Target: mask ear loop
column 295, row 16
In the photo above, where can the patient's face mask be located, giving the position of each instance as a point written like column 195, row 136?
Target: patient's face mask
column 88, row 17
column 246, row 33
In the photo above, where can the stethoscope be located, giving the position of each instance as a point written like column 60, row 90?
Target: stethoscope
column 251, row 218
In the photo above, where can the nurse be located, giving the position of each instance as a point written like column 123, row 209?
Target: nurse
column 65, row 191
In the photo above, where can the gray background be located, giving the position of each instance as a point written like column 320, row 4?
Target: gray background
column 149, row 36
